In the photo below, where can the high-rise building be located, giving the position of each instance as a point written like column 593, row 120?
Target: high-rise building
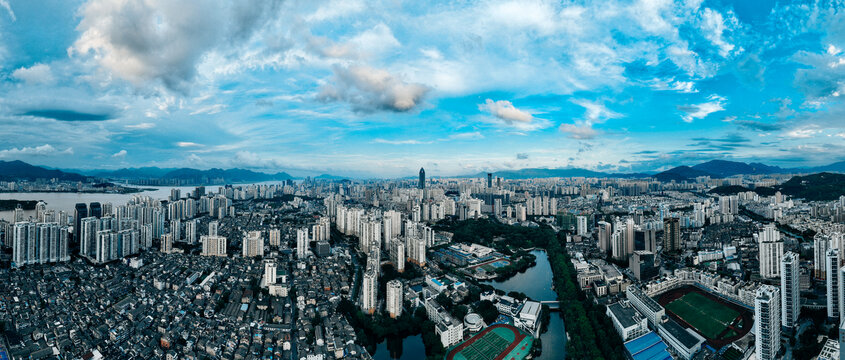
column 80, row 212
column 641, row 264
column 166, row 243
column 269, row 272
column 671, row 234
column 213, row 245
column 771, row 251
column 95, row 210
column 369, row 287
column 176, row 230
column 767, row 322
column 604, row 231
column 832, row 281
column 253, row 244
column 397, row 254
column 88, row 236
column 489, row 180
column 275, row 237
column 191, row 232
column 212, row 228
column 630, row 231
column 582, row 226
column 821, row 243
column 421, row 185
column 789, row 290
column 394, row 298
column 302, row 243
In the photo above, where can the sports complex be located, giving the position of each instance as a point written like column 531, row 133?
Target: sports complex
column 497, row 342
column 717, row 320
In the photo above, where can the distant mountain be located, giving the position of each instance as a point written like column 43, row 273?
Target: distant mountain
column 835, row 167
column 680, row 173
column 194, row 176
column 532, row 173
column 19, row 170
column 134, row 173
column 724, row 168
column 329, row 177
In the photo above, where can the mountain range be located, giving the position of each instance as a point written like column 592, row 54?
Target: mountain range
column 19, row 170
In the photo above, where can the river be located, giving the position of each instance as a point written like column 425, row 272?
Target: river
column 409, row 348
column 536, row 282
column 67, row 200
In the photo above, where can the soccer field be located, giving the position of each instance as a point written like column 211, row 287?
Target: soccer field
column 707, row 316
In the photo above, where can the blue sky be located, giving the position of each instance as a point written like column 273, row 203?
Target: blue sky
column 381, row 88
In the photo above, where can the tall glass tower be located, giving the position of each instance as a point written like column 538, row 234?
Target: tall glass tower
column 422, row 179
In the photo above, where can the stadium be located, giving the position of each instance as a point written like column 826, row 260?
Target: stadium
column 496, row 342
column 719, row 321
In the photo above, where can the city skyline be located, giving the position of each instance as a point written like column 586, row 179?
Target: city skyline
column 368, row 89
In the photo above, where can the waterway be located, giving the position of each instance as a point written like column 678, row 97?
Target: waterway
column 536, row 282
column 409, row 348
column 67, row 200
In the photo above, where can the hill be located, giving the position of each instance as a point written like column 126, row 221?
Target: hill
column 681, row 173
column 816, row 187
column 19, row 170
column 724, row 168
column 533, row 173
column 193, row 175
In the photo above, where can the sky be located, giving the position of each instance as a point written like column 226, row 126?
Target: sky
column 381, row 88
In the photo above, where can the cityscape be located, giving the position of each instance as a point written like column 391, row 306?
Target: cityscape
column 392, row 180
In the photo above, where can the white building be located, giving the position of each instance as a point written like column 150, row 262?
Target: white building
column 213, row 245
column 767, row 322
column 771, row 251
column 394, row 298
column 627, row 321
column 369, row 286
column 302, row 243
column 253, row 244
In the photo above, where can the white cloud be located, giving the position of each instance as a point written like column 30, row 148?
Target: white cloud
column 475, row 135
column 579, row 132
column 209, row 109
column 335, row 9
column 400, row 142
column 595, row 113
column 162, row 40
column 700, row 111
column 35, row 74
column 5, row 5
column 804, row 133
column 188, row 144
column 141, row 126
column 714, row 26
column 43, row 150
column 671, row 84
column 119, row 154
column 369, row 89
column 505, row 110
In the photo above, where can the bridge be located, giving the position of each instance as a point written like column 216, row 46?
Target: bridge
column 553, row 304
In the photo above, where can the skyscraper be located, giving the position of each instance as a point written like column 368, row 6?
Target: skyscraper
column 253, row 244
column 771, row 251
column 789, row 290
column 369, row 286
column 767, row 320
column 671, row 234
column 80, row 212
column 821, row 244
column 95, row 210
column 422, row 179
column 301, row 243
column 489, row 180
column 394, row 298
column 832, row 282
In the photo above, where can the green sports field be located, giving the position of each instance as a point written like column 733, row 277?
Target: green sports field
column 707, row 316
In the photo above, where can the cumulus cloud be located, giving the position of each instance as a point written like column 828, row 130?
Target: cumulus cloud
column 368, row 89
column 43, row 150
column 35, row 74
column 505, row 110
column 804, row 132
column 700, row 111
column 162, row 40
column 120, row 154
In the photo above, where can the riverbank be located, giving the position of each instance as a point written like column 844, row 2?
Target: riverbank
column 12, row 204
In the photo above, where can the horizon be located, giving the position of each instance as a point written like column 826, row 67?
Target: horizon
column 377, row 90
